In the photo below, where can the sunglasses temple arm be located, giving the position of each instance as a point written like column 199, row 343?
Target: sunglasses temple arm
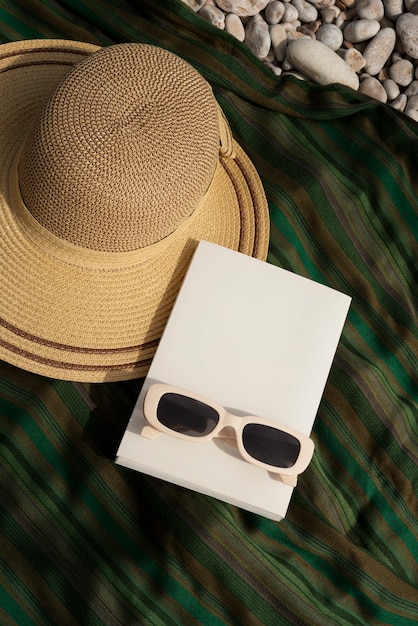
column 150, row 433
column 287, row 479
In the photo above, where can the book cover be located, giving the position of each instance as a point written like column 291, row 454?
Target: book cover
column 256, row 339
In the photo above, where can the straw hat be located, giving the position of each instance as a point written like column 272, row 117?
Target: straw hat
column 114, row 163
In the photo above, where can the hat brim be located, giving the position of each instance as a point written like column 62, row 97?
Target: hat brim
column 84, row 322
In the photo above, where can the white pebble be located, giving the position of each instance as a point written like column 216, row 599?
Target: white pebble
column 234, row 26
column 352, row 57
column 243, row 8
column 410, row 4
column 319, row 63
column 373, row 88
column 330, row 35
column 370, row 9
column 306, row 11
column 257, row 36
column 329, row 14
column 402, row 72
column 296, row 34
column 278, row 35
column 195, row 5
column 411, row 108
column 322, row 4
column 407, row 29
column 290, row 13
column 412, row 89
column 213, row 15
column 373, row 43
column 274, row 68
column 379, row 50
column 291, row 27
column 393, row 9
column 361, row 30
column 274, row 12
column 400, row 103
column 391, row 88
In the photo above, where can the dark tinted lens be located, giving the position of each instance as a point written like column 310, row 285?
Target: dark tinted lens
column 270, row 445
column 186, row 416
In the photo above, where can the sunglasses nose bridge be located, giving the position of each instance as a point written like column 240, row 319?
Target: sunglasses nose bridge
column 230, row 420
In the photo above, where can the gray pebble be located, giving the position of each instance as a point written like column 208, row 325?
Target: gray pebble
column 391, row 88
column 330, row 35
column 379, row 50
column 407, row 29
column 361, row 30
column 402, row 72
column 373, row 88
column 370, row 9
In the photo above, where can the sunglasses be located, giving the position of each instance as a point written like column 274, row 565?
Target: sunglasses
column 279, row 449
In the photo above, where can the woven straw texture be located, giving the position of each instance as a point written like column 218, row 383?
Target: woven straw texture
column 104, row 195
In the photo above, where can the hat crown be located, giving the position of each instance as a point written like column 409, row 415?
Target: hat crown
column 124, row 150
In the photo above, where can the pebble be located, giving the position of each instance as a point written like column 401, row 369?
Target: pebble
column 257, row 36
column 391, row 88
column 402, row 72
column 274, row 12
column 370, row 9
column 373, row 88
column 234, row 26
column 379, row 50
column 410, row 4
column 330, row 14
column 400, row 102
column 353, row 58
column 321, row 4
column 278, row 35
column 393, row 9
column 290, row 13
column 368, row 45
column 412, row 89
column 411, row 108
column 306, row 11
column 319, row 63
column 195, row 5
column 361, row 30
column 407, row 29
column 213, row 15
column 242, row 8
column 330, row 35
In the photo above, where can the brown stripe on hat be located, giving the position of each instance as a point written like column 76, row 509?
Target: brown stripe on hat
column 135, row 366
column 120, row 174
column 69, row 348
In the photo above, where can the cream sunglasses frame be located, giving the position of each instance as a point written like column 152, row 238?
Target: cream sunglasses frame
column 155, row 428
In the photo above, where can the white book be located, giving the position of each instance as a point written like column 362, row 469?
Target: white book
column 255, row 338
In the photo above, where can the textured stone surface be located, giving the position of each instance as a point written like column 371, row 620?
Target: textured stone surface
column 330, row 35
column 319, row 63
column 361, row 30
column 243, row 8
column 407, row 29
column 379, row 50
column 373, row 88
column 234, row 26
column 257, row 36
column 370, row 9
column 274, row 12
column 367, row 39
column 402, row 72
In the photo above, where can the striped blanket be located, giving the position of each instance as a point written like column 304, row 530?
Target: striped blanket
column 86, row 542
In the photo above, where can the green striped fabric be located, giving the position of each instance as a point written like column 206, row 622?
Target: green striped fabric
column 84, row 541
